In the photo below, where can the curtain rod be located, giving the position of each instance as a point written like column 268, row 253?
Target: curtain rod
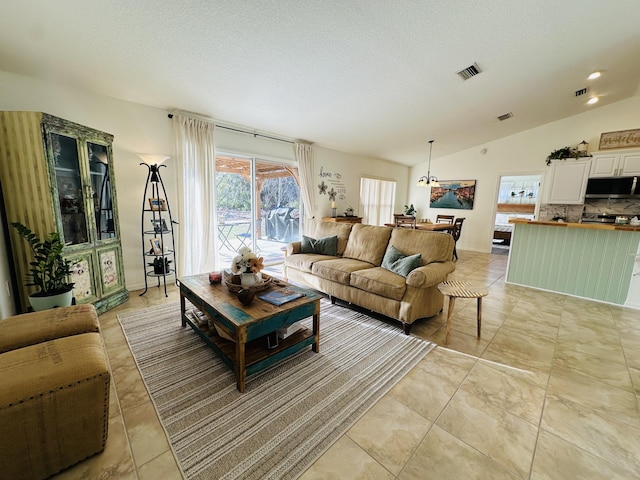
column 247, row 132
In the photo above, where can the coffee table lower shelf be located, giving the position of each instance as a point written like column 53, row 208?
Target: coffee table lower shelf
column 257, row 356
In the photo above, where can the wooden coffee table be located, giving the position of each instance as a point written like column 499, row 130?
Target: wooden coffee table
column 248, row 325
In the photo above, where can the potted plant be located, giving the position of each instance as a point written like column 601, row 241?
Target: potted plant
column 563, row 153
column 49, row 271
column 409, row 210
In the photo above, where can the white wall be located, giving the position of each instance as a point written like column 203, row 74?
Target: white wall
column 143, row 129
column 351, row 168
column 522, row 154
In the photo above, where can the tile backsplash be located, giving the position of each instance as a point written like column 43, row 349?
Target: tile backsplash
column 625, row 207
column 573, row 213
column 570, row 213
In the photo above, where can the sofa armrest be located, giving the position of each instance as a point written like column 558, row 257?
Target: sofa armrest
column 293, row 248
column 430, row 275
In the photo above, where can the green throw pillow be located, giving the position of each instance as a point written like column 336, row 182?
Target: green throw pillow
column 322, row 246
column 397, row 262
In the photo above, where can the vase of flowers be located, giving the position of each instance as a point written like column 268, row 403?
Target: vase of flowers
column 248, row 266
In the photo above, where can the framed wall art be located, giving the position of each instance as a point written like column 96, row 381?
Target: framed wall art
column 456, row 194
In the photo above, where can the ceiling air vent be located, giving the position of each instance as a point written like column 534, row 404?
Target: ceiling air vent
column 469, row 72
column 505, row 116
column 580, row 92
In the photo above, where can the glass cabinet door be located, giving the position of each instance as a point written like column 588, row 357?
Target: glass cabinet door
column 69, row 185
column 101, row 190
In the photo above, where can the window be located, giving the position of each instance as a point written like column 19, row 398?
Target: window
column 377, row 198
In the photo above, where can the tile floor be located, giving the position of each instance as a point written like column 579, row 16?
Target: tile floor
column 550, row 391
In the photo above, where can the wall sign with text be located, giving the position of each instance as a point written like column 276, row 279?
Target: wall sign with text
column 621, row 139
column 332, row 184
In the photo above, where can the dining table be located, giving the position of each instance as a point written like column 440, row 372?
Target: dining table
column 435, row 227
column 432, row 227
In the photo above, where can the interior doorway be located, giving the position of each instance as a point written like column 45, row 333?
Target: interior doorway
column 518, row 197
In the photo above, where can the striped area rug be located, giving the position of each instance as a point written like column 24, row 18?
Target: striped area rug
column 290, row 413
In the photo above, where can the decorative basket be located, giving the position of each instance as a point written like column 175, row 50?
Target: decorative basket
column 258, row 287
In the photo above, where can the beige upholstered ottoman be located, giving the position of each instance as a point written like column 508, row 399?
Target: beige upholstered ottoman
column 36, row 327
column 54, row 401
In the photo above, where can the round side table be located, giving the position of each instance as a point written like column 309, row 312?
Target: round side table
column 457, row 289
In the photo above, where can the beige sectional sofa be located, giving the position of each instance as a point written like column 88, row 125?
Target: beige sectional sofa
column 54, row 397
column 355, row 275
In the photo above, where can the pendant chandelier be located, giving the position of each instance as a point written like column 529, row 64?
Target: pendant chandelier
column 428, row 180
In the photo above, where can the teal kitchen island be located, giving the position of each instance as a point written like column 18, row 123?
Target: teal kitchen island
column 584, row 260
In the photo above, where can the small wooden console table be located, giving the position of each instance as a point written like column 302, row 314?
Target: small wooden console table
column 342, row 219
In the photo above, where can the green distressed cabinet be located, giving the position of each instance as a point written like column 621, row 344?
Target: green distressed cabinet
column 58, row 175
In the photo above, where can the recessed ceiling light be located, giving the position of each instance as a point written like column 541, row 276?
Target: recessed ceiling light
column 594, row 75
column 592, row 100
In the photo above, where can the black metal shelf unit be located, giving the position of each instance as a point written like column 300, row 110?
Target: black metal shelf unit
column 158, row 228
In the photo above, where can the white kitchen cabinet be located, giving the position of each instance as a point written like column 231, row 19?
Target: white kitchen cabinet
column 568, row 181
column 615, row 164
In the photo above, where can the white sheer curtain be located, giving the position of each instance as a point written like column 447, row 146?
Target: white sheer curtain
column 304, row 156
column 376, row 200
column 196, row 194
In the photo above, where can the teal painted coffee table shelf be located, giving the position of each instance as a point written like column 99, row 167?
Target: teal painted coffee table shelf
column 248, row 325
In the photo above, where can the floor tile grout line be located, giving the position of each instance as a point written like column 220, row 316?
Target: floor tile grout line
column 155, row 407
column 120, row 408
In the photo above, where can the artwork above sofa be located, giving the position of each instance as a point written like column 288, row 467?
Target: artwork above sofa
column 357, row 273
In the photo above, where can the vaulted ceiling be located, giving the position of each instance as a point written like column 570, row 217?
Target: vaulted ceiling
column 370, row 77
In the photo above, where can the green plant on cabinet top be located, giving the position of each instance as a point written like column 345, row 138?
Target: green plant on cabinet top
column 563, row 153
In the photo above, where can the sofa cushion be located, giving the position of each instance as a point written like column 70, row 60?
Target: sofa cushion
column 304, row 261
column 398, row 262
column 322, row 246
column 432, row 246
column 379, row 281
column 339, row 269
column 368, row 243
column 320, row 229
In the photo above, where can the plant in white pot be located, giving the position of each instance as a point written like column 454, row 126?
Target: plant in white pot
column 49, row 271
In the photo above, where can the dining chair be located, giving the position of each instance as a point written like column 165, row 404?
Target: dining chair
column 445, row 219
column 457, row 230
column 405, row 221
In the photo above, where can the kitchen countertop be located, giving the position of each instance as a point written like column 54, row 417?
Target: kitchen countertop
column 592, row 226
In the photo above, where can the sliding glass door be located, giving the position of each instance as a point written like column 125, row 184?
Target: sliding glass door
column 257, row 205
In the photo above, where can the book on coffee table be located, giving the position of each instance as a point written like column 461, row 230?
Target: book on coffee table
column 280, row 297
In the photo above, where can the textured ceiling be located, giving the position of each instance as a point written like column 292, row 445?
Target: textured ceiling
column 370, row 77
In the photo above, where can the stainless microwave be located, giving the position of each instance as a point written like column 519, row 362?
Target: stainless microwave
column 613, row 187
